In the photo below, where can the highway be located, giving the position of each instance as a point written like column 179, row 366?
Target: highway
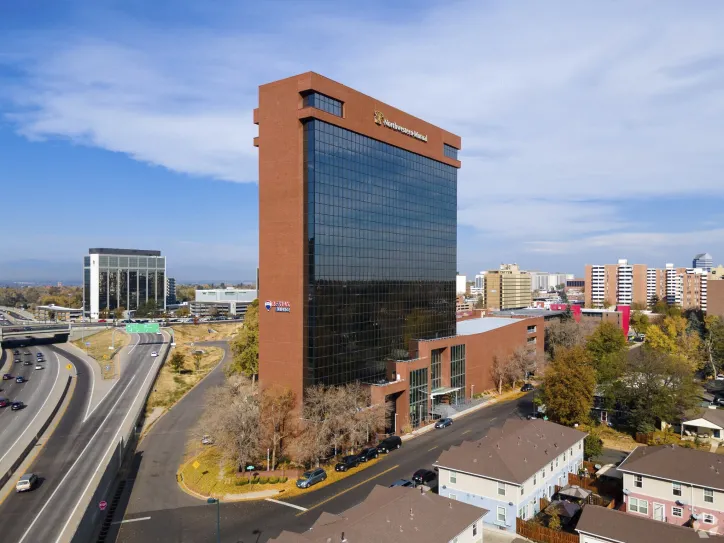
column 72, row 455
column 33, row 392
column 160, row 516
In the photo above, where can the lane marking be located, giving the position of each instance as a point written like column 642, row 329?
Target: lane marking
column 130, row 520
column 466, row 432
column 432, row 449
column 70, row 470
column 348, row 489
column 287, row 504
column 135, row 344
column 27, row 427
column 113, row 443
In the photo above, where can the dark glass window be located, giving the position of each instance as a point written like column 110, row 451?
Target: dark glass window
column 133, row 289
column 436, row 367
column 103, row 290
column 382, row 238
column 419, row 393
column 325, row 103
column 86, row 288
column 142, row 287
column 152, row 285
column 449, row 151
column 457, row 372
column 123, row 280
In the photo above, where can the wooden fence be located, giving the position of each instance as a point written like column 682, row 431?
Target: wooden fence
column 541, row 534
column 604, row 488
column 644, row 437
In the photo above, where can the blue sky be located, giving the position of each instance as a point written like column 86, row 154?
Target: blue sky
column 591, row 132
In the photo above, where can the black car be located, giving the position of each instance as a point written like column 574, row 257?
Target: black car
column 17, row 406
column 348, row 462
column 423, row 476
column 527, row 387
column 389, row 443
column 368, row 454
column 443, row 423
column 16, row 352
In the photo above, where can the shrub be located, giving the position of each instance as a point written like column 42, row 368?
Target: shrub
column 273, row 480
column 283, row 479
column 263, row 480
column 255, row 481
column 242, row 482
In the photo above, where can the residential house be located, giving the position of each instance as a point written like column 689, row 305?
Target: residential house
column 391, row 515
column 675, row 485
column 601, row 525
column 511, row 468
column 708, row 423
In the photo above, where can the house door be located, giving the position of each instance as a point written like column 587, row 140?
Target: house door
column 658, row 511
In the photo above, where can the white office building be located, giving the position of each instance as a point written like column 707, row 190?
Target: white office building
column 231, row 302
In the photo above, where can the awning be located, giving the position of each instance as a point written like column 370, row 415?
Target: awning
column 444, row 390
column 702, row 423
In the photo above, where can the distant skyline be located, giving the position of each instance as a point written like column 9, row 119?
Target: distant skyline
column 590, row 132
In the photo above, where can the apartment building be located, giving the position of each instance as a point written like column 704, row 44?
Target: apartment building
column 507, row 288
column 615, row 284
column 685, row 287
column 675, row 485
column 511, row 468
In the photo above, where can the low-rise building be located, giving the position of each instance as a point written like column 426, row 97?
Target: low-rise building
column 509, row 470
column 708, row 423
column 602, row 525
column 675, row 485
column 222, row 302
column 392, row 515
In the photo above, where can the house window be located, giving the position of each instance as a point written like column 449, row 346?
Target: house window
column 453, row 477
column 676, row 489
column 564, row 456
column 501, row 514
column 580, row 444
column 522, row 490
column 556, row 462
column 475, row 529
column 638, row 506
column 501, row 489
column 521, row 512
column 551, row 467
column 708, row 518
column 708, row 495
column 535, row 479
column 543, row 473
column 452, row 496
column 677, row 512
column 532, row 329
column 638, row 481
column 532, row 340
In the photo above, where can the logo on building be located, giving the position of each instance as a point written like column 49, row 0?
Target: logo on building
column 382, row 121
column 279, row 306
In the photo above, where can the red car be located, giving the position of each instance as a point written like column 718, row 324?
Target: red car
column 7, row 377
column 4, row 402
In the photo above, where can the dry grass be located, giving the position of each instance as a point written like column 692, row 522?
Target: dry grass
column 620, row 441
column 100, row 350
column 189, row 333
column 208, row 481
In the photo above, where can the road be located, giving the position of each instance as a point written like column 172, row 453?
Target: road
column 33, row 393
column 72, row 455
column 257, row 522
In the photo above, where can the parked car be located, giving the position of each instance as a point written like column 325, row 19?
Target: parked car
column 389, row 443
column 423, row 476
column 309, row 478
column 20, row 379
column 527, row 387
column 720, row 377
column 443, row 423
column 7, row 377
column 26, row 483
column 402, row 482
column 17, row 406
column 368, row 454
column 348, row 462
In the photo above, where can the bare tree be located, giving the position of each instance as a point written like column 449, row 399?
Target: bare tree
column 277, row 404
column 522, row 361
column 567, row 334
column 499, row 371
column 231, row 417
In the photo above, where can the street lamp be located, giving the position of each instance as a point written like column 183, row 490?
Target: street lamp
column 218, row 517
column 395, row 424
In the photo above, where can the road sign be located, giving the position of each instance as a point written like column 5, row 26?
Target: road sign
column 69, row 367
column 102, row 505
column 196, row 464
column 142, row 328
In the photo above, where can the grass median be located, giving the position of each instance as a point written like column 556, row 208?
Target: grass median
column 104, row 347
column 207, row 475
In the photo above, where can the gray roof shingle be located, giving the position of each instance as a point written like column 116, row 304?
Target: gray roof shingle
column 679, row 464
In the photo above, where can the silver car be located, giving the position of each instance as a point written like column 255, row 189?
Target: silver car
column 26, row 483
column 309, row 478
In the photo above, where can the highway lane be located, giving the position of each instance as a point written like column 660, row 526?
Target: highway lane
column 257, row 522
column 33, row 392
column 74, row 451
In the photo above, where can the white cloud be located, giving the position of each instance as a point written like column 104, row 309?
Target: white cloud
column 565, row 108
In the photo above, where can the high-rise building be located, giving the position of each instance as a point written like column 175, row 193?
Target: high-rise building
column 479, row 288
column 357, row 233
column 507, row 288
column 170, row 290
column 703, row 261
column 122, row 278
column 615, row 284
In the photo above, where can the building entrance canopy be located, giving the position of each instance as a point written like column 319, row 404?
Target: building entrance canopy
column 444, row 390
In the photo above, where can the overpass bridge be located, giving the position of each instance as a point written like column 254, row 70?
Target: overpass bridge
column 34, row 333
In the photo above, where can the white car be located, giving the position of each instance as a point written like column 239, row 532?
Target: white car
column 38, row 367
column 154, row 353
column 720, row 377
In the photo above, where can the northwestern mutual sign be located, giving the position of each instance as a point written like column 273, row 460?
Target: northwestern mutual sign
column 382, row 121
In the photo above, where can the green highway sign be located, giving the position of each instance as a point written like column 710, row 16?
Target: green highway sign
column 145, row 328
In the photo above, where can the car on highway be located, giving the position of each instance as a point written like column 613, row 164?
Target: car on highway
column 312, row 477
column 402, row 482
column 20, row 379
column 348, row 462
column 154, row 353
column 16, row 352
column 38, row 367
column 17, row 406
column 4, row 402
column 443, row 423
column 27, row 353
column 423, row 476
column 368, row 454
column 27, row 363
column 7, row 377
column 389, row 443
column 26, row 483
column 527, row 387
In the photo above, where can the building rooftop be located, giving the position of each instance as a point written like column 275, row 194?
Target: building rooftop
column 700, row 468
column 124, row 252
column 483, row 324
column 391, row 515
column 626, row 528
column 528, row 312
column 513, row 452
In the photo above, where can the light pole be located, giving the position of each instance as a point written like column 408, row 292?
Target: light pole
column 472, row 388
column 395, row 424
column 218, row 517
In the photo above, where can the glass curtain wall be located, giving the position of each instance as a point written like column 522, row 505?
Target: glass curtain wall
column 436, row 368
column 457, row 373
column 419, row 393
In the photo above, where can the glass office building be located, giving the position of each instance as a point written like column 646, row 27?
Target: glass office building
column 122, row 278
column 381, row 232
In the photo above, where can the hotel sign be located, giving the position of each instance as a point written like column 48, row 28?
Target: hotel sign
column 382, row 121
column 279, row 307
